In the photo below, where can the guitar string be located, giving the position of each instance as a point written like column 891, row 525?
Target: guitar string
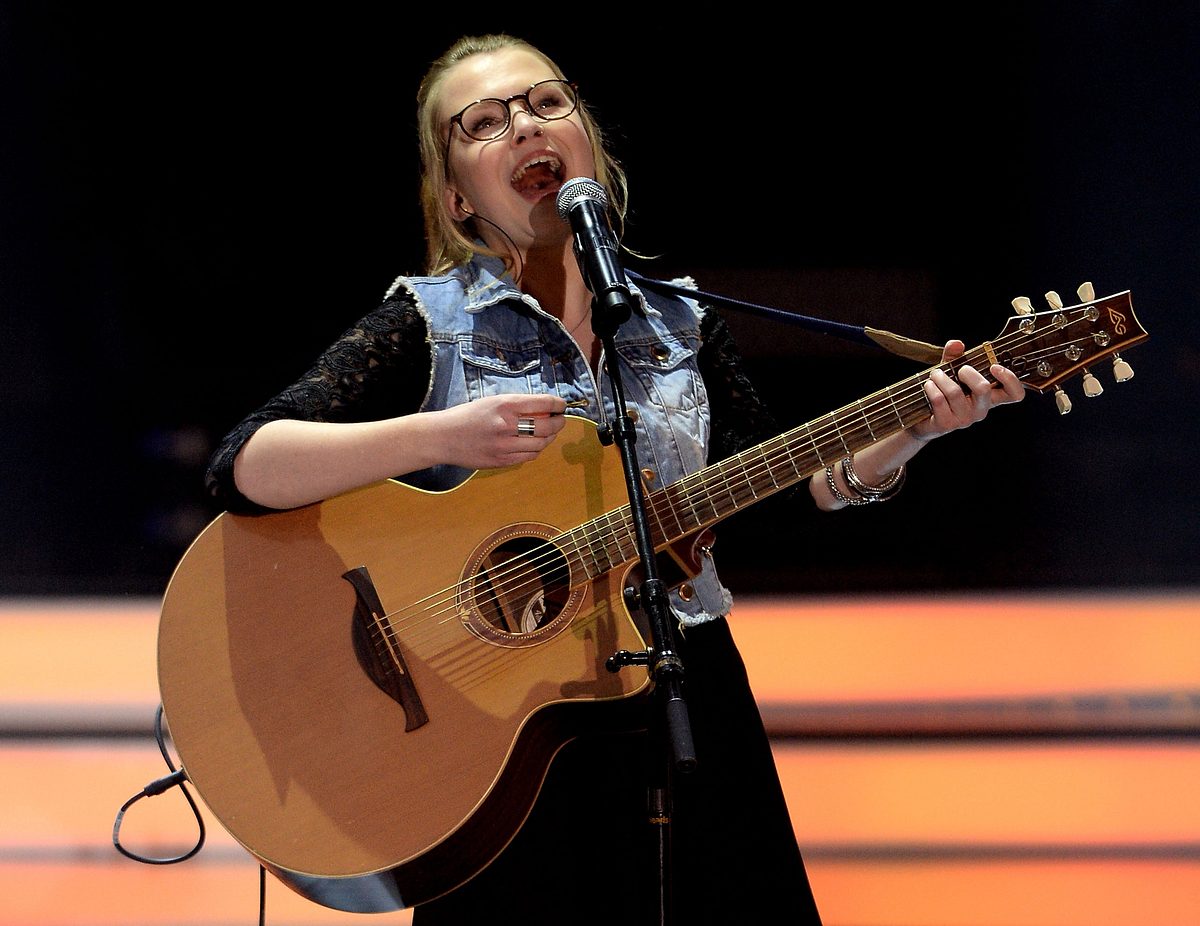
column 509, row 580
column 621, row 515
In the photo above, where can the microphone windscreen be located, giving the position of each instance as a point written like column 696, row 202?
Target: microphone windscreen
column 576, row 190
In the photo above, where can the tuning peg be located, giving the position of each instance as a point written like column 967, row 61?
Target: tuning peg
column 1122, row 371
column 1091, row 386
column 1062, row 400
column 1054, row 299
column 1086, row 292
column 1023, row 305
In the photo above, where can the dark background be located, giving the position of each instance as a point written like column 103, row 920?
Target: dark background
column 195, row 201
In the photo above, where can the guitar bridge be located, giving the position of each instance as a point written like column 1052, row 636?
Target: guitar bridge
column 378, row 651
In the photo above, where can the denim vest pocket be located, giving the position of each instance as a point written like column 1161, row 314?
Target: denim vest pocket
column 490, row 368
column 665, row 371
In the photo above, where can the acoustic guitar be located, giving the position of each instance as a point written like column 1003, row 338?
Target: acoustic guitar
column 367, row 691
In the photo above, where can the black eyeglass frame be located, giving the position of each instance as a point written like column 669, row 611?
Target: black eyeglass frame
column 507, row 104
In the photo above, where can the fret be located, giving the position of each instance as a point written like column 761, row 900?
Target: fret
column 767, row 467
column 866, row 420
column 736, row 462
column 892, row 399
column 667, row 494
column 709, row 481
column 837, row 426
column 597, row 547
column 691, row 496
column 705, row 476
column 858, row 434
column 790, row 458
column 576, row 560
column 748, row 475
column 810, row 455
column 654, row 513
column 602, row 534
column 683, row 501
column 624, row 536
column 815, row 446
column 829, row 426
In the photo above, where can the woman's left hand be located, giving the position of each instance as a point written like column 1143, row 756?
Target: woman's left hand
column 959, row 404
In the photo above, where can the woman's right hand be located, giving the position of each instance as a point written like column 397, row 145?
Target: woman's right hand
column 483, row 434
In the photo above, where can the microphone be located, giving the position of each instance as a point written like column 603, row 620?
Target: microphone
column 583, row 203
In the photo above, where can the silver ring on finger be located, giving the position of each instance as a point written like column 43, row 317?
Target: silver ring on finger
column 525, row 427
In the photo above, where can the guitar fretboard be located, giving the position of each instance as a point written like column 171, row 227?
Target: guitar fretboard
column 722, row 489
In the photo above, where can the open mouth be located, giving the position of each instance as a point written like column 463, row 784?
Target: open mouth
column 538, row 176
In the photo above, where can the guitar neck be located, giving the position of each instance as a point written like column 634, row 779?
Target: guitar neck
column 721, row 489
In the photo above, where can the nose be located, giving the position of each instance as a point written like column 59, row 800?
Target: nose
column 523, row 123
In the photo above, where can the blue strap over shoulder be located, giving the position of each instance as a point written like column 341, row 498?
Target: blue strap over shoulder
column 920, row 351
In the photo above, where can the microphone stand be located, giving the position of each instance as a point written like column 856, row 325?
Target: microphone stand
column 671, row 738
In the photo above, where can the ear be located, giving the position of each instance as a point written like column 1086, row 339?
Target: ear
column 459, row 208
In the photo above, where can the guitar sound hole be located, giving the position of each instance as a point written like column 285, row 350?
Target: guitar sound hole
column 522, row 585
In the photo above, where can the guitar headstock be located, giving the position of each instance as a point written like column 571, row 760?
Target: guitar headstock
column 1046, row 348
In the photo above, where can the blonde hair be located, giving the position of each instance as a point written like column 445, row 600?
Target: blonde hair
column 448, row 242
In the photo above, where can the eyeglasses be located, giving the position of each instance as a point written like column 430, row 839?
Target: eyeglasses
column 484, row 120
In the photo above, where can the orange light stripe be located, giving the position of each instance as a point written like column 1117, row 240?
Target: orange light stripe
column 61, row 794
column 121, row 892
column 878, row 649
column 797, row 649
column 89, row 653
column 1007, row 894
column 994, row 793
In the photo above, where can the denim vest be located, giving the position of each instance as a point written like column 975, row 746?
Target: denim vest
column 487, row 338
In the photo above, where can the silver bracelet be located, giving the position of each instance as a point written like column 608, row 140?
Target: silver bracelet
column 839, row 494
column 878, row 493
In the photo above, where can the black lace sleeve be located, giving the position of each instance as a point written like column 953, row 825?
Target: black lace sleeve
column 378, row 369
column 740, row 418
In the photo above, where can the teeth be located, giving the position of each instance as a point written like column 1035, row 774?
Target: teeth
column 555, row 165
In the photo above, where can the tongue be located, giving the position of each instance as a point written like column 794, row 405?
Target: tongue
column 537, row 178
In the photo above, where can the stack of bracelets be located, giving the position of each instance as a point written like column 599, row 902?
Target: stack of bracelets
column 863, row 494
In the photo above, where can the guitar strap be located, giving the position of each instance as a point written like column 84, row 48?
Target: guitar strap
column 920, row 351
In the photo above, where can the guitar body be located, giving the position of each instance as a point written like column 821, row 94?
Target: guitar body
column 309, row 762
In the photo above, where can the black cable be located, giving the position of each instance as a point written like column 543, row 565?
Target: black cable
column 520, row 265
column 158, row 786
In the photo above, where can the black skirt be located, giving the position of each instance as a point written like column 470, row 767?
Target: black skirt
column 590, row 853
